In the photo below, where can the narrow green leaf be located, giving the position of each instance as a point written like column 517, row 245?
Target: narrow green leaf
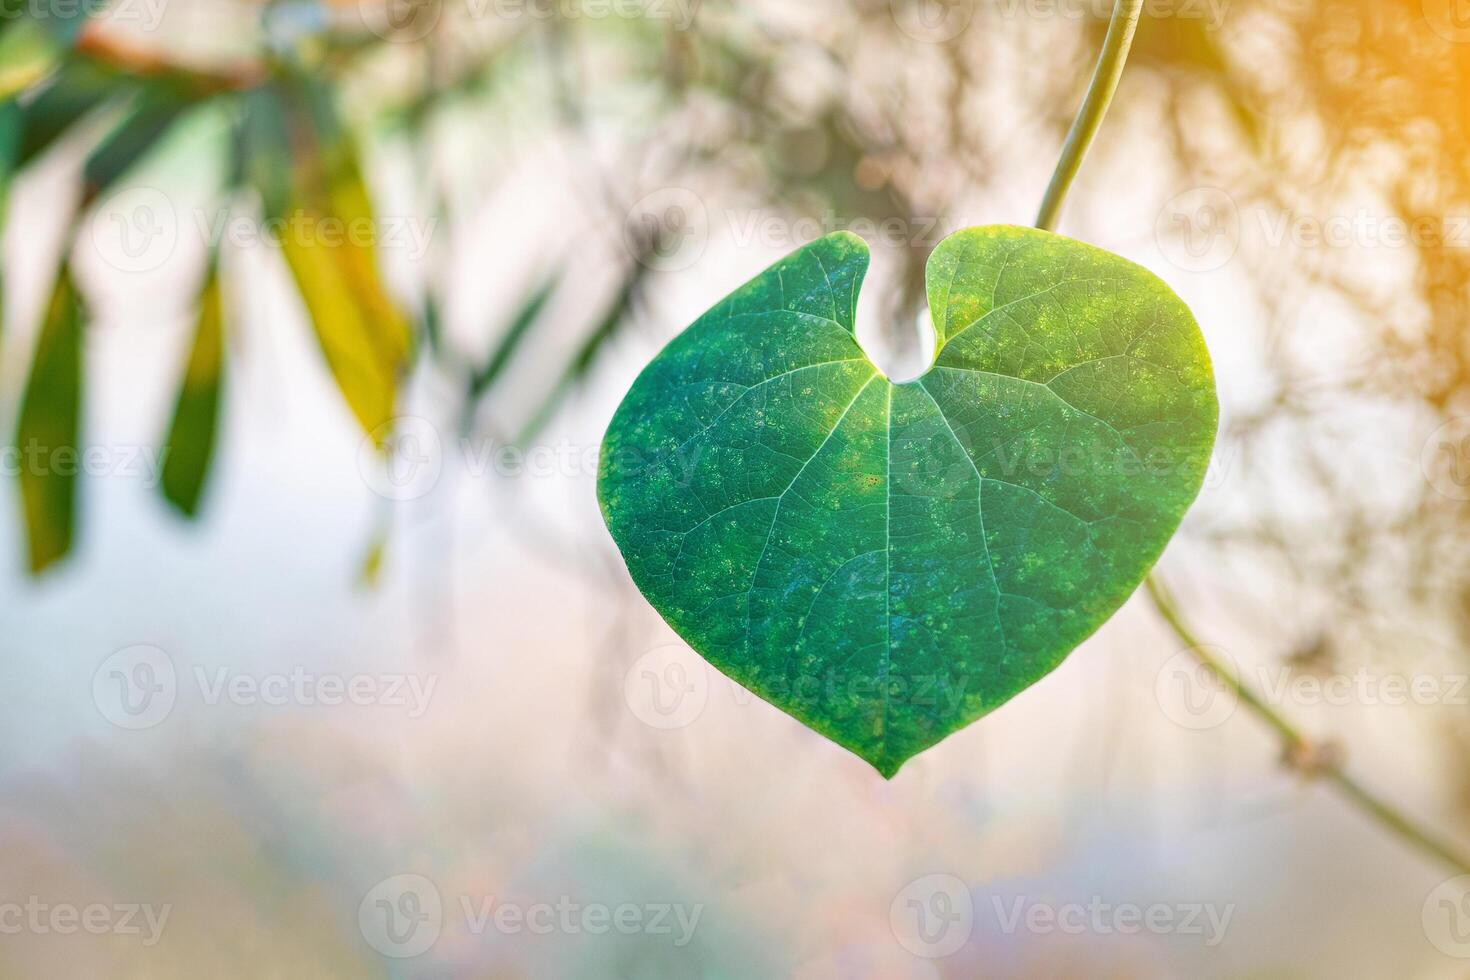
column 510, row 340
column 145, row 124
column 192, row 434
column 10, row 129
column 889, row 562
column 10, row 135
column 47, row 438
column 584, row 357
column 78, row 88
column 263, row 150
column 330, row 246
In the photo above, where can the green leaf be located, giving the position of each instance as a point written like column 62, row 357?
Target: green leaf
column 10, row 135
column 330, row 244
column 10, row 126
column 47, row 437
column 191, row 436
column 889, row 562
column 77, row 89
column 370, row 570
column 263, row 150
column 27, row 53
column 584, row 356
column 145, row 124
column 510, row 341
column 31, row 46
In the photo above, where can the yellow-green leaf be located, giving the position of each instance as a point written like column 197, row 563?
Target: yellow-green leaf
column 47, row 437
column 28, row 51
column 191, row 437
column 330, row 244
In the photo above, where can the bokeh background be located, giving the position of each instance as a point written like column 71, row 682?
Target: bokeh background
column 318, row 661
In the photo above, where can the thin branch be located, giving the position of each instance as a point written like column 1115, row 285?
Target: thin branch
column 1308, row 757
column 97, row 43
column 1094, row 107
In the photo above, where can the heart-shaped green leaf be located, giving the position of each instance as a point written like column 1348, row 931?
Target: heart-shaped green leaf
column 889, row 562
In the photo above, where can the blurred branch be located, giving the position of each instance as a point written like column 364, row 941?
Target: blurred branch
column 95, row 43
column 1311, row 759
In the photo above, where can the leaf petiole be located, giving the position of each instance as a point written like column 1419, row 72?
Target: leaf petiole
column 1094, row 107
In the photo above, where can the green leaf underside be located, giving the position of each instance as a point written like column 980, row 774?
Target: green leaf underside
column 889, row 562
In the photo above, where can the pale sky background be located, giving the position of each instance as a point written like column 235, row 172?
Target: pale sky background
column 530, row 774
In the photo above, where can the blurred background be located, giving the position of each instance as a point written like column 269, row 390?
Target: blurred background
column 320, row 663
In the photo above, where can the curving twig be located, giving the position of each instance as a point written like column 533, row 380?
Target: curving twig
column 1312, row 759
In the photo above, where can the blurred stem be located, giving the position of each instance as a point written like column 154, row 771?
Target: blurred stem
column 1094, row 107
column 1308, row 757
